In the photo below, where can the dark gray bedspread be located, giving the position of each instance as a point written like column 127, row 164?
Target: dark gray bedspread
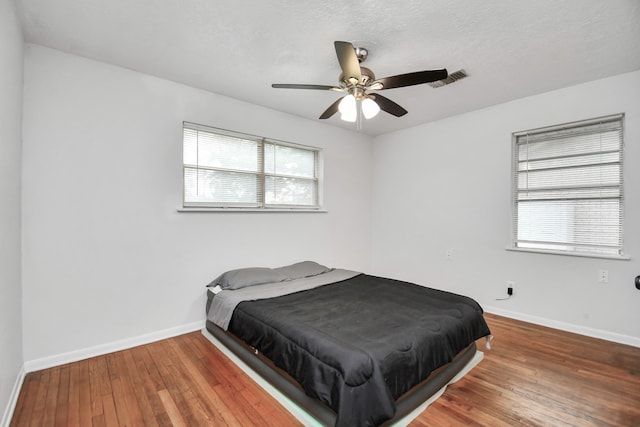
column 359, row 344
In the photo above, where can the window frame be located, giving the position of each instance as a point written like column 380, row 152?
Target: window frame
column 572, row 126
column 261, row 174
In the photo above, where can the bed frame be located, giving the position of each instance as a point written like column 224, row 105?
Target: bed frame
column 418, row 397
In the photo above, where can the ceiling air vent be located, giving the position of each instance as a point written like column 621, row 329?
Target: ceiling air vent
column 453, row 77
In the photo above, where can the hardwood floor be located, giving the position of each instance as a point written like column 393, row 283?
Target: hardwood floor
column 532, row 376
column 537, row 376
column 182, row 381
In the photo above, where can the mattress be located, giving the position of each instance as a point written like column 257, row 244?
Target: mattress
column 359, row 345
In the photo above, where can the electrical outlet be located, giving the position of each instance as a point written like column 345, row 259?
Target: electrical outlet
column 510, row 285
column 449, row 254
column 603, row 276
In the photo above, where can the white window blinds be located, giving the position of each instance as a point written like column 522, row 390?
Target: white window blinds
column 568, row 189
column 230, row 169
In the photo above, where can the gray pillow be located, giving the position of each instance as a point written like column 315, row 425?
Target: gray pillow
column 243, row 277
column 302, row 269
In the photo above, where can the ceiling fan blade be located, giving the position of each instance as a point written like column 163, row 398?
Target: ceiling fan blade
column 410, row 79
column 388, row 105
column 333, row 108
column 348, row 61
column 299, row 86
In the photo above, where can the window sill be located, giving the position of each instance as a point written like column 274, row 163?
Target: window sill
column 247, row 210
column 542, row 251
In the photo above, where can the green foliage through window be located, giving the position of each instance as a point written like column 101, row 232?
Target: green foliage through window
column 227, row 169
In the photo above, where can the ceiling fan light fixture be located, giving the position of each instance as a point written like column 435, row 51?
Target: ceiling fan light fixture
column 347, row 105
column 369, row 108
column 349, row 117
column 348, row 109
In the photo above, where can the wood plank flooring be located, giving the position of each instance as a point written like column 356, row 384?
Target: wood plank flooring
column 537, row 376
column 533, row 376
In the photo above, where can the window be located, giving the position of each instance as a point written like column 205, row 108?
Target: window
column 567, row 188
column 226, row 169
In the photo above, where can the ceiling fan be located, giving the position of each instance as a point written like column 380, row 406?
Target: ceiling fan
column 357, row 81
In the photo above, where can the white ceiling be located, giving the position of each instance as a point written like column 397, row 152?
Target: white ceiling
column 509, row 48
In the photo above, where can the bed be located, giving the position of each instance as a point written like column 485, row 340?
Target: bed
column 350, row 349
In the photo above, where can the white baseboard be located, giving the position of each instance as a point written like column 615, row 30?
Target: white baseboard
column 564, row 326
column 99, row 350
column 13, row 399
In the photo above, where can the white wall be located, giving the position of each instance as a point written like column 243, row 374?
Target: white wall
column 106, row 255
column 454, row 177
column 11, row 66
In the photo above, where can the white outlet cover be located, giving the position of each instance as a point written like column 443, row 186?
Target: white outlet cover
column 603, row 276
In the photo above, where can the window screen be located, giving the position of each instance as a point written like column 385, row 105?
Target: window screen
column 230, row 169
column 568, row 189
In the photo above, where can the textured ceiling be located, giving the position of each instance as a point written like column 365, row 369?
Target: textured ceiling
column 510, row 49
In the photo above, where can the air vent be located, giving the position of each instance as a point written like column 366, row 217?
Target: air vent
column 453, row 77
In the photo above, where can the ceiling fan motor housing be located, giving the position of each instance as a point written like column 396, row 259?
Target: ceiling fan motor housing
column 367, row 76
